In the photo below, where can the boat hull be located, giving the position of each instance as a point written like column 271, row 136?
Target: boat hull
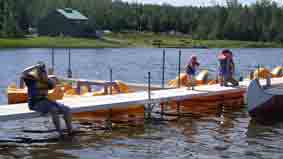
column 271, row 110
column 263, row 106
column 209, row 104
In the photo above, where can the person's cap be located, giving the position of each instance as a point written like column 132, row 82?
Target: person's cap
column 226, row 51
column 194, row 57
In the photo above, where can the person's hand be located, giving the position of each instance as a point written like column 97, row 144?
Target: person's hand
column 53, row 78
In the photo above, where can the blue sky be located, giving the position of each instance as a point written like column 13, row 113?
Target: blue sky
column 192, row 2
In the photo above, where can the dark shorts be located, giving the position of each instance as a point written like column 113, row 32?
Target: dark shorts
column 45, row 106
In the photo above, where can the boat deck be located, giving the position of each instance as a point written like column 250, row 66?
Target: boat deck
column 92, row 103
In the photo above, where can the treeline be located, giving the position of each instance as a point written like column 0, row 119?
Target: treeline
column 261, row 21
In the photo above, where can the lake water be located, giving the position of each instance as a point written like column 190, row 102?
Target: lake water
column 227, row 134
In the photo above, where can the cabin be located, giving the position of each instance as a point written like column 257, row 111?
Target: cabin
column 66, row 22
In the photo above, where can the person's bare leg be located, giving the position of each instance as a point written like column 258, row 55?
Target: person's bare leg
column 221, row 81
column 189, row 83
column 56, row 120
column 193, row 82
column 68, row 120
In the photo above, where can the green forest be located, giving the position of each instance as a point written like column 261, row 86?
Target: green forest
column 261, row 21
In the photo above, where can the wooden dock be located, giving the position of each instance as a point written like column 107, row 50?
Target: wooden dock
column 83, row 104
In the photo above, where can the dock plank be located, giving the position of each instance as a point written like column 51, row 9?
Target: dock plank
column 92, row 103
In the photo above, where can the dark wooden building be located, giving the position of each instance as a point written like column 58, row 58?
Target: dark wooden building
column 65, row 22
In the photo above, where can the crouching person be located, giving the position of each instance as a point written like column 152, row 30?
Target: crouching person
column 191, row 69
column 38, row 84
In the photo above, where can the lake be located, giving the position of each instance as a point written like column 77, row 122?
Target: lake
column 226, row 134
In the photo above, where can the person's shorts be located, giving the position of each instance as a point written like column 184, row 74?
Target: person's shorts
column 45, row 106
column 190, row 71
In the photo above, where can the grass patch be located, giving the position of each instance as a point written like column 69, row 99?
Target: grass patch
column 57, row 42
column 122, row 40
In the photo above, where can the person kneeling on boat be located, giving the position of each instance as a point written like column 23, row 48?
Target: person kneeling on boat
column 227, row 68
column 38, row 84
column 191, row 70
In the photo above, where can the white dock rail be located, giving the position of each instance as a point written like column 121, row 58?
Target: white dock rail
column 83, row 104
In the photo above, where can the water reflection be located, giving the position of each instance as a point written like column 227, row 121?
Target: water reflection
column 219, row 135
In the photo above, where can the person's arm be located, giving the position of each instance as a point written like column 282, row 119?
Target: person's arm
column 187, row 68
column 233, row 66
column 51, row 84
column 197, row 64
column 25, row 73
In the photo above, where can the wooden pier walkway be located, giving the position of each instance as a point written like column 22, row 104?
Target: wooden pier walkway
column 82, row 104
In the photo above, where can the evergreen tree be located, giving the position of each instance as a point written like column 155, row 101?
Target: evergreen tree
column 259, row 21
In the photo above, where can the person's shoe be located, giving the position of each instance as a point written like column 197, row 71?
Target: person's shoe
column 71, row 132
column 61, row 135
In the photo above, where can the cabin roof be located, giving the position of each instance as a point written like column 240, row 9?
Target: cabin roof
column 72, row 14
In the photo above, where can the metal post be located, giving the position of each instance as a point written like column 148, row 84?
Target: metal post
column 109, row 119
column 179, row 69
column 163, row 81
column 163, row 69
column 111, row 80
column 53, row 59
column 149, row 86
column 148, row 109
column 179, row 79
column 110, row 110
column 51, row 70
column 69, row 65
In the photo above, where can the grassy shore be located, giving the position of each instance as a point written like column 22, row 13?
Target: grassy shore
column 121, row 40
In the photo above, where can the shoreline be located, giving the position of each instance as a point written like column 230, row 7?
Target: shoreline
column 130, row 40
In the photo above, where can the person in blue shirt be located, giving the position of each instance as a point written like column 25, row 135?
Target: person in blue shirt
column 227, row 68
column 38, row 84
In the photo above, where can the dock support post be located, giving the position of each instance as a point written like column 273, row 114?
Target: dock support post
column 163, row 70
column 163, row 81
column 109, row 118
column 51, row 70
column 179, row 69
column 148, row 107
column 179, row 81
column 111, row 80
column 69, row 72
